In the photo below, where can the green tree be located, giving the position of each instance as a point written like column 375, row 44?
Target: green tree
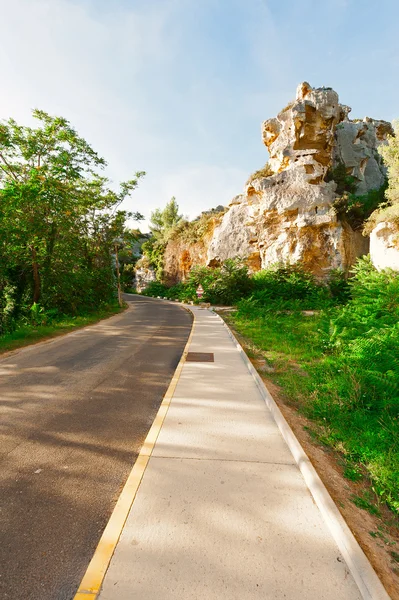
column 390, row 154
column 388, row 210
column 162, row 224
column 58, row 216
column 163, row 221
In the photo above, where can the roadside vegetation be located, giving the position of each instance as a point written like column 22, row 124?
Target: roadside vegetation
column 332, row 347
column 339, row 365
column 42, row 327
column 61, row 232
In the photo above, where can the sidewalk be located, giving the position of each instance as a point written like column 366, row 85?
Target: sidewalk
column 223, row 512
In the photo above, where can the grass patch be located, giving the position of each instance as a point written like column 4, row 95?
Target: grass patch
column 339, row 368
column 366, row 502
column 30, row 334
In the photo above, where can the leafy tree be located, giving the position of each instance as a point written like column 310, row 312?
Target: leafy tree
column 58, row 217
column 163, row 221
column 162, row 224
column 389, row 210
column 390, row 154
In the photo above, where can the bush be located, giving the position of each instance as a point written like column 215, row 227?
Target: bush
column 289, row 287
column 265, row 171
column 222, row 285
column 345, row 182
column 356, row 210
column 155, row 289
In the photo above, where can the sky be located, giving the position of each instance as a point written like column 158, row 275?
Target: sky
column 179, row 88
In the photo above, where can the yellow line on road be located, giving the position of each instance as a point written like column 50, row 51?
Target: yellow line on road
column 92, row 581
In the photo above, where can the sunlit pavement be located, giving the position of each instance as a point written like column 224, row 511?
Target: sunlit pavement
column 223, row 511
column 74, row 413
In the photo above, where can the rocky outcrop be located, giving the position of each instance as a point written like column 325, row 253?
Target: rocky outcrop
column 180, row 256
column 189, row 246
column 384, row 246
column 143, row 277
column 356, row 148
column 289, row 215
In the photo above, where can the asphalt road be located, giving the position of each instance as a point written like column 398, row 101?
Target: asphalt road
column 74, row 413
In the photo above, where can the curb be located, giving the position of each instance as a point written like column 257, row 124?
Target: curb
column 90, row 586
column 361, row 569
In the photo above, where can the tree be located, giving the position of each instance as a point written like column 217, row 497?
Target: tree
column 390, row 154
column 163, row 221
column 162, row 224
column 388, row 211
column 58, row 216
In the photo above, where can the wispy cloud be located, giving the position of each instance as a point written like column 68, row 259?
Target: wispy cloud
column 179, row 88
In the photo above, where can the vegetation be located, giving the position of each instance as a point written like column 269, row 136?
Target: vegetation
column 41, row 325
column 389, row 211
column 339, row 365
column 60, row 224
column 265, row 171
column 162, row 224
column 351, row 207
column 221, row 285
column 196, row 230
column 345, row 182
column 356, row 210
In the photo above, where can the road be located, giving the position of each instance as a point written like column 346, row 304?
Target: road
column 74, row 413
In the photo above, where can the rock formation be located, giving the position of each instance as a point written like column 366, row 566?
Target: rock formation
column 288, row 216
column 143, row 276
column 384, row 246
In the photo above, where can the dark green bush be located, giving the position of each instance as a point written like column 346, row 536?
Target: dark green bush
column 155, row 289
column 289, row 287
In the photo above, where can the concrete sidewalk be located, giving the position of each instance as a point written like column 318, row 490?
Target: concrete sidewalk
column 223, row 511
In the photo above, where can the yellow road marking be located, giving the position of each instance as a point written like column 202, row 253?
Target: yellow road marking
column 92, row 580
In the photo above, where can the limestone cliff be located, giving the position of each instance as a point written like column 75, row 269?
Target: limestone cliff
column 384, row 246
column 144, row 275
column 288, row 216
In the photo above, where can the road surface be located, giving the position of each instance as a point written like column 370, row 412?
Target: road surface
column 74, row 413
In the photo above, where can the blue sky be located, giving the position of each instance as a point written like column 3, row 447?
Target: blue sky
column 179, row 88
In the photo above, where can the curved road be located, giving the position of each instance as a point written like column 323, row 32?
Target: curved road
column 74, row 413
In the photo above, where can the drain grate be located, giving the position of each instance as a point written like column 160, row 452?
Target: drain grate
column 200, row 357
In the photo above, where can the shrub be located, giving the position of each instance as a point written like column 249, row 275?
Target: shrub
column 356, row 210
column 155, row 289
column 288, row 287
column 222, row 285
column 265, row 171
column 344, row 181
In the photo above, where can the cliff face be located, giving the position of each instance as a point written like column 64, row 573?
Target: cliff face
column 384, row 246
column 288, row 216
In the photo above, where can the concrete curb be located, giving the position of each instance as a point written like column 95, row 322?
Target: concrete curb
column 362, row 571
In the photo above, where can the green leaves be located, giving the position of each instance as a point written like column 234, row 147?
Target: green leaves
column 58, row 217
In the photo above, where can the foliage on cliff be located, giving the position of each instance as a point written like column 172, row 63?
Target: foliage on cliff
column 162, row 224
column 59, row 219
column 389, row 211
column 265, row 171
column 169, row 227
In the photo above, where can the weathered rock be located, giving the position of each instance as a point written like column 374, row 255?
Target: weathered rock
column 356, row 147
column 239, row 230
column 289, row 217
column 143, row 277
column 384, row 246
column 180, row 256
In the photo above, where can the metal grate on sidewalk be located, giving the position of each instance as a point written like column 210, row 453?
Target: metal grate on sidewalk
column 200, row 357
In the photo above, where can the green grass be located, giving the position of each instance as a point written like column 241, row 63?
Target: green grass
column 30, row 334
column 366, row 502
column 332, row 391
